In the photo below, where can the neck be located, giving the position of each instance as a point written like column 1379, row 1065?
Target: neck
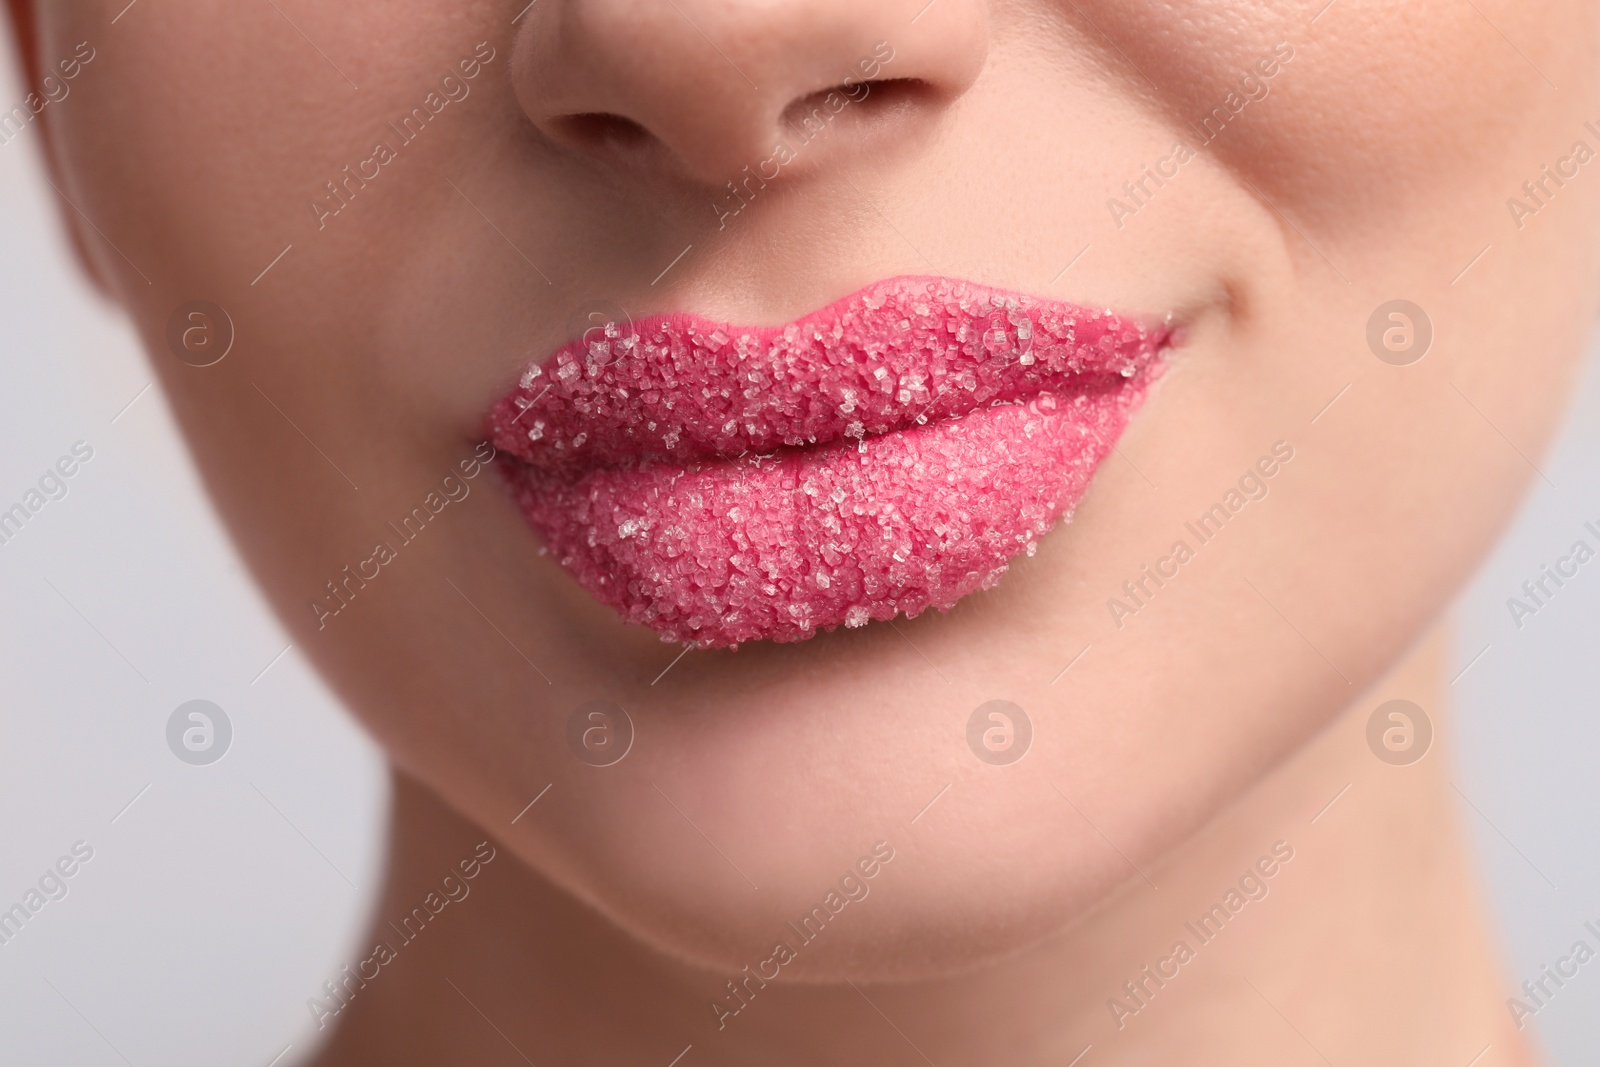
column 1370, row 913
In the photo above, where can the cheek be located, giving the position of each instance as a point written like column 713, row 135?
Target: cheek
column 182, row 166
column 1380, row 111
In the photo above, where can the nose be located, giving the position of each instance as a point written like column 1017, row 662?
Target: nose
column 707, row 87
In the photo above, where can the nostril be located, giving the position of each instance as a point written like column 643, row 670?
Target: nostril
column 893, row 93
column 600, row 132
column 866, row 98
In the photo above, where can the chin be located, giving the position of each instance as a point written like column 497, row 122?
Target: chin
column 934, row 910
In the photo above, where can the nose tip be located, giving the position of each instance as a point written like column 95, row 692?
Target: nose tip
column 705, row 88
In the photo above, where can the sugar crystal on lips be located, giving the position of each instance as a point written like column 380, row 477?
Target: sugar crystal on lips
column 884, row 455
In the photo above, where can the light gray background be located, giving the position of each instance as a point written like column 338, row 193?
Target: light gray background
column 224, row 895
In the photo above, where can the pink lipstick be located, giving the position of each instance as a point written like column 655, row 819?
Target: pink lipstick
column 889, row 453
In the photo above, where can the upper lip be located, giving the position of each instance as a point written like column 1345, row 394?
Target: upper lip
column 898, row 353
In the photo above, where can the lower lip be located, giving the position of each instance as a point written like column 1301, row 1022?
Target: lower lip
column 717, row 551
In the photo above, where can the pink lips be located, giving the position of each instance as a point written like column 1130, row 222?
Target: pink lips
column 889, row 453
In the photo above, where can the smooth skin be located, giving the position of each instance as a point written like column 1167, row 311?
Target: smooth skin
column 586, row 162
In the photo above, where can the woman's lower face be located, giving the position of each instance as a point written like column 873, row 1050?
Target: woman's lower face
column 1011, row 426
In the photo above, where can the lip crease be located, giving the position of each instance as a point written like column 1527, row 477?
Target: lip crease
column 885, row 454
